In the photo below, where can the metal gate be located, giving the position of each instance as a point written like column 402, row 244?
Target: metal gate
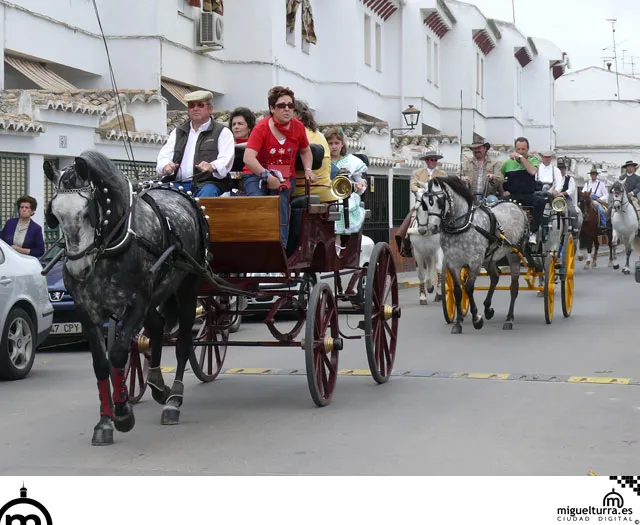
column 376, row 199
column 13, row 184
column 134, row 170
column 401, row 199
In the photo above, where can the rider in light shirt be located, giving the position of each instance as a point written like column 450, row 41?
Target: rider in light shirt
column 599, row 193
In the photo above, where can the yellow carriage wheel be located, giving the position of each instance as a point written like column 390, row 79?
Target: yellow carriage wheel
column 549, row 287
column 567, row 286
column 448, row 297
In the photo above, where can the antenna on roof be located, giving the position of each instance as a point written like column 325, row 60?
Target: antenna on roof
column 615, row 56
column 513, row 10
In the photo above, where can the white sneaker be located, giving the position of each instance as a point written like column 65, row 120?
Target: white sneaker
column 533, row 239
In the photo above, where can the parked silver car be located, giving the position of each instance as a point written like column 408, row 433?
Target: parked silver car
column 26, row 313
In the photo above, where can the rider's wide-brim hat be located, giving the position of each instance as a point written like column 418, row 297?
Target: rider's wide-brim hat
column 430, row 155
column 197, row 96
column 630, row 163
column 593, row 170
column 487, row 145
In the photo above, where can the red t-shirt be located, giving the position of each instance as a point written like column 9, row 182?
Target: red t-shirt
column 271, row 153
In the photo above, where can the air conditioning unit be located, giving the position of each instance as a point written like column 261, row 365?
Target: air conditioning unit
column 211, row 29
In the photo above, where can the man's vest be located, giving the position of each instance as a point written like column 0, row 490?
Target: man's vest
column 206, row 149
column 565, row 186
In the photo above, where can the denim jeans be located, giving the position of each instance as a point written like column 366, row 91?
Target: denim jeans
column 208, row 190
column 252, row 189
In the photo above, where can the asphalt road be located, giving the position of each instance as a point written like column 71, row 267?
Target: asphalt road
column 447, row 412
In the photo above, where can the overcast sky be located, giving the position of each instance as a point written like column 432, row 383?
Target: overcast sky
column 578, row 27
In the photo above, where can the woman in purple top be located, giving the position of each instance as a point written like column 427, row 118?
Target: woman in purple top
column 23, row 234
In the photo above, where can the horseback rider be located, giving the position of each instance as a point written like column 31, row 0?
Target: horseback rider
column 631, row 182
column 519, row 171
column 566, row 187
column 199, row 154
column 482, row 174
column 599, row 194
column 431, row 158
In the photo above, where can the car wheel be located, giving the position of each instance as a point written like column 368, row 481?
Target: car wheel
column 17, row 346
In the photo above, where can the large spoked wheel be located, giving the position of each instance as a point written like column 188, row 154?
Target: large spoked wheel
column 549, row 287
column 322, row 344
column 206, row 360
column 137, row 369
column 449, row 298
column 567, row 286
column 381, row 313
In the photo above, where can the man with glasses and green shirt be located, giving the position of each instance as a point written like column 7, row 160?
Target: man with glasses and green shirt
column 519, row 171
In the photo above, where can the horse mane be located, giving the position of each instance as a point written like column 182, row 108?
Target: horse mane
column 618, row 186
column 458, row 186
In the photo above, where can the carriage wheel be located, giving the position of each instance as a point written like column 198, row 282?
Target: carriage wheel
column 322, row 344
column 449, row 298
column 206, row 361
column 549, row 287
column 381, row 313
column 566, row 287
column 137, row 369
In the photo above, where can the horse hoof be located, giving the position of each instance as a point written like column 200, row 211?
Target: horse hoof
column 103, row 432
column 438, row 298
column 479, row 323
column 456, row 329
column 489, row 313
column 616, row 266
column 580, row 257
column 626, row 271
column 430, row 289
column 124, row 418
column 170, row 415
column 160, row 396
column 507, row 326
column 423, row 301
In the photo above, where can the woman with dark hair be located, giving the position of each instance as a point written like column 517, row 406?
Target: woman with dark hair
column 321, row 186
column 23, row 234
column 241, row 122
column 270, row 155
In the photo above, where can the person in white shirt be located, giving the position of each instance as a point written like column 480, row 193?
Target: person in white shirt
column 566, row 187
column 599, row 194
column 548, row 174
column 199, row 154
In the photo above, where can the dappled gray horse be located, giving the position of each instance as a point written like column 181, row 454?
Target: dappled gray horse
column 113, row 238
column 475, row 237
column 624, row 221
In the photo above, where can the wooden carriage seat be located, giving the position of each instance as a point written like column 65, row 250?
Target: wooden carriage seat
column 244, row 234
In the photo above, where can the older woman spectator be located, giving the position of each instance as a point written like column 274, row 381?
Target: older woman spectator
column 22, row 233
column 241, row 122
column 271, row 151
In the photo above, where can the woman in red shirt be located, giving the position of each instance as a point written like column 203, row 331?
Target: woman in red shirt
column 270, row 154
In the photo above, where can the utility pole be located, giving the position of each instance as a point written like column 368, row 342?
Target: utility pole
column 513, row 10
column 613, row 32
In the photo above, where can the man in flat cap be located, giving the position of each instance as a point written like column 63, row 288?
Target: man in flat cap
column 482, row 174
column 599, row 194
column 423, row 175
column 631, row 181
column 548, row 174
column 199, row 154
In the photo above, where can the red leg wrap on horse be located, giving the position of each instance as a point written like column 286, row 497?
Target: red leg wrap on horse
column 120, row 394
column 104, row 391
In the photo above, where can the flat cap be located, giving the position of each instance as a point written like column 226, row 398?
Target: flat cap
column 546, row 153
column 196, row 96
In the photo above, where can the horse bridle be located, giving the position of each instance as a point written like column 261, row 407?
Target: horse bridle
column 617, row 197
column 441, row 198
column 100, row 243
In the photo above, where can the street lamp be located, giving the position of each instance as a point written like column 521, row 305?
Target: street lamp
column 411, row 116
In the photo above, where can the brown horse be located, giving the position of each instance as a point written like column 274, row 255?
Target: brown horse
column 591, row 234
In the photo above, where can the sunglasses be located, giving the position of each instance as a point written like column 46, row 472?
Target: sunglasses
column 192, row 105
column 283, row 105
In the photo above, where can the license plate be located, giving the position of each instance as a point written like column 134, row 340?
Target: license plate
column 66, row 328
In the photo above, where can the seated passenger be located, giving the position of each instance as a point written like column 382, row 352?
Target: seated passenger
column 198, row 154
column 241, row 122
column 271, row 152
column 519, row 171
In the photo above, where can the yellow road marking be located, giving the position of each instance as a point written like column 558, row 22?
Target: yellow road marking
column 488, row 376
column 168, row 369
column 252, row 371
column 600, row 380
column 354, row 372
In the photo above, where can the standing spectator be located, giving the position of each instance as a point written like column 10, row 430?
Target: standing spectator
column 22, row 233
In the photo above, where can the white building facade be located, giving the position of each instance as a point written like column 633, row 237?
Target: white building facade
column 356, row 62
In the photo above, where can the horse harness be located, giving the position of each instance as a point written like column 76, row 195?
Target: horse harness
column 461, row 224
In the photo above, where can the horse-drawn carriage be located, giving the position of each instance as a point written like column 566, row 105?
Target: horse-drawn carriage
column 244, row 253
column 484, row 236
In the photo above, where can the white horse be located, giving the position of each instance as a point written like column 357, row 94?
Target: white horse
column 426, row 249
column 624, row 221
